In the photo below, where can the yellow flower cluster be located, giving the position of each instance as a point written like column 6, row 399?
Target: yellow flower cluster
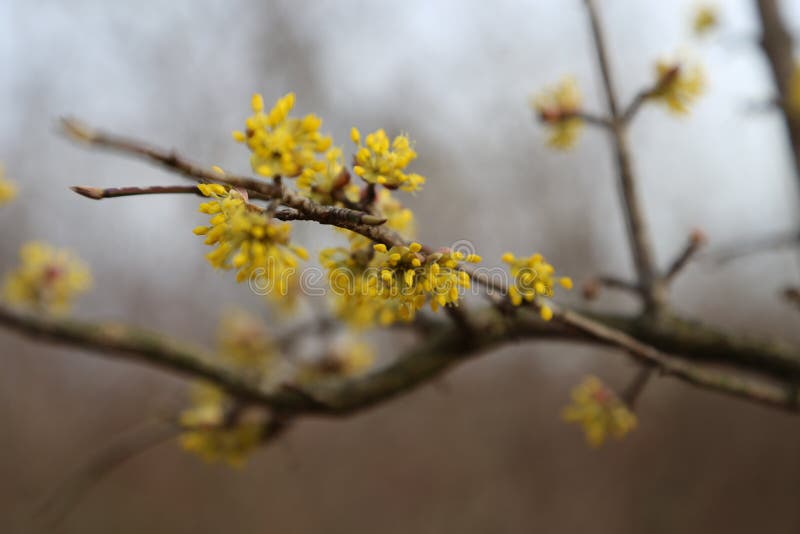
column 48, row 279
column 386, row 285
column 378, row 161
column 244, row 344
column 598, row 409
column 678, row 85
column 247, row 240
column 208, row 433
column 414, row 279
column 557, row 108
column 320, row 183
column 533, row 277
column 7, row 188
column 282, row 145
column 705, row 19
column 349, row 275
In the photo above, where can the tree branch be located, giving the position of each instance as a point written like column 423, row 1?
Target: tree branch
column 309, row 210
column 634, row 390
column 591, row 118
column 696, row 240
column 652, row 290
column 443, row 348
column 776, row 43
column 258, row 189
column 96, row 193
column 591, row 287
column 344, row 218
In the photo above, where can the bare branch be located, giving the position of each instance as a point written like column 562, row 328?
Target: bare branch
column 96, row 193
column 753, row 246
column 593, row 119
column 257, row 189
column 776, row 43
column 634, row 390
column 591, row 287
column 633, row 108
column 653, row 293
column 696, row 240
column 792, row 295
column 123, row 447
column 444, row 347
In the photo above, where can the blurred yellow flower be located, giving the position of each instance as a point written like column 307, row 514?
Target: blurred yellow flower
column 557, row 107
column 599, row 411
column 48, row 279
column 212, row 438
column 533, row 277
column 8, row 190
column 678, row 85
column 705, row 20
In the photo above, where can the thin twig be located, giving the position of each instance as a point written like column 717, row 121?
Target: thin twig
column 696, row 241
column 634, row 390
column 257, row 189
column 776, row 43
column 633, row 108
column 653, row 293
column 593, row 119
column 123, row 447
column 97, row 193
column 792, row 295
column 591, row 287
column 753, row 246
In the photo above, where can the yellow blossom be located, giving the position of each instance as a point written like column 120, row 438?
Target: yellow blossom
column 557, row 108
column 533, row 277
column 678, row 85
column 385, row 285
column 348, row 278
column 47, row 279
column 282, row 145
column 412, row 278
column 247, row 240
column 321, row 183
column 214, row 426
column 598, row 409
column 8, row 190
column 378, row 161
column 210, row 436
column 705, row 19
